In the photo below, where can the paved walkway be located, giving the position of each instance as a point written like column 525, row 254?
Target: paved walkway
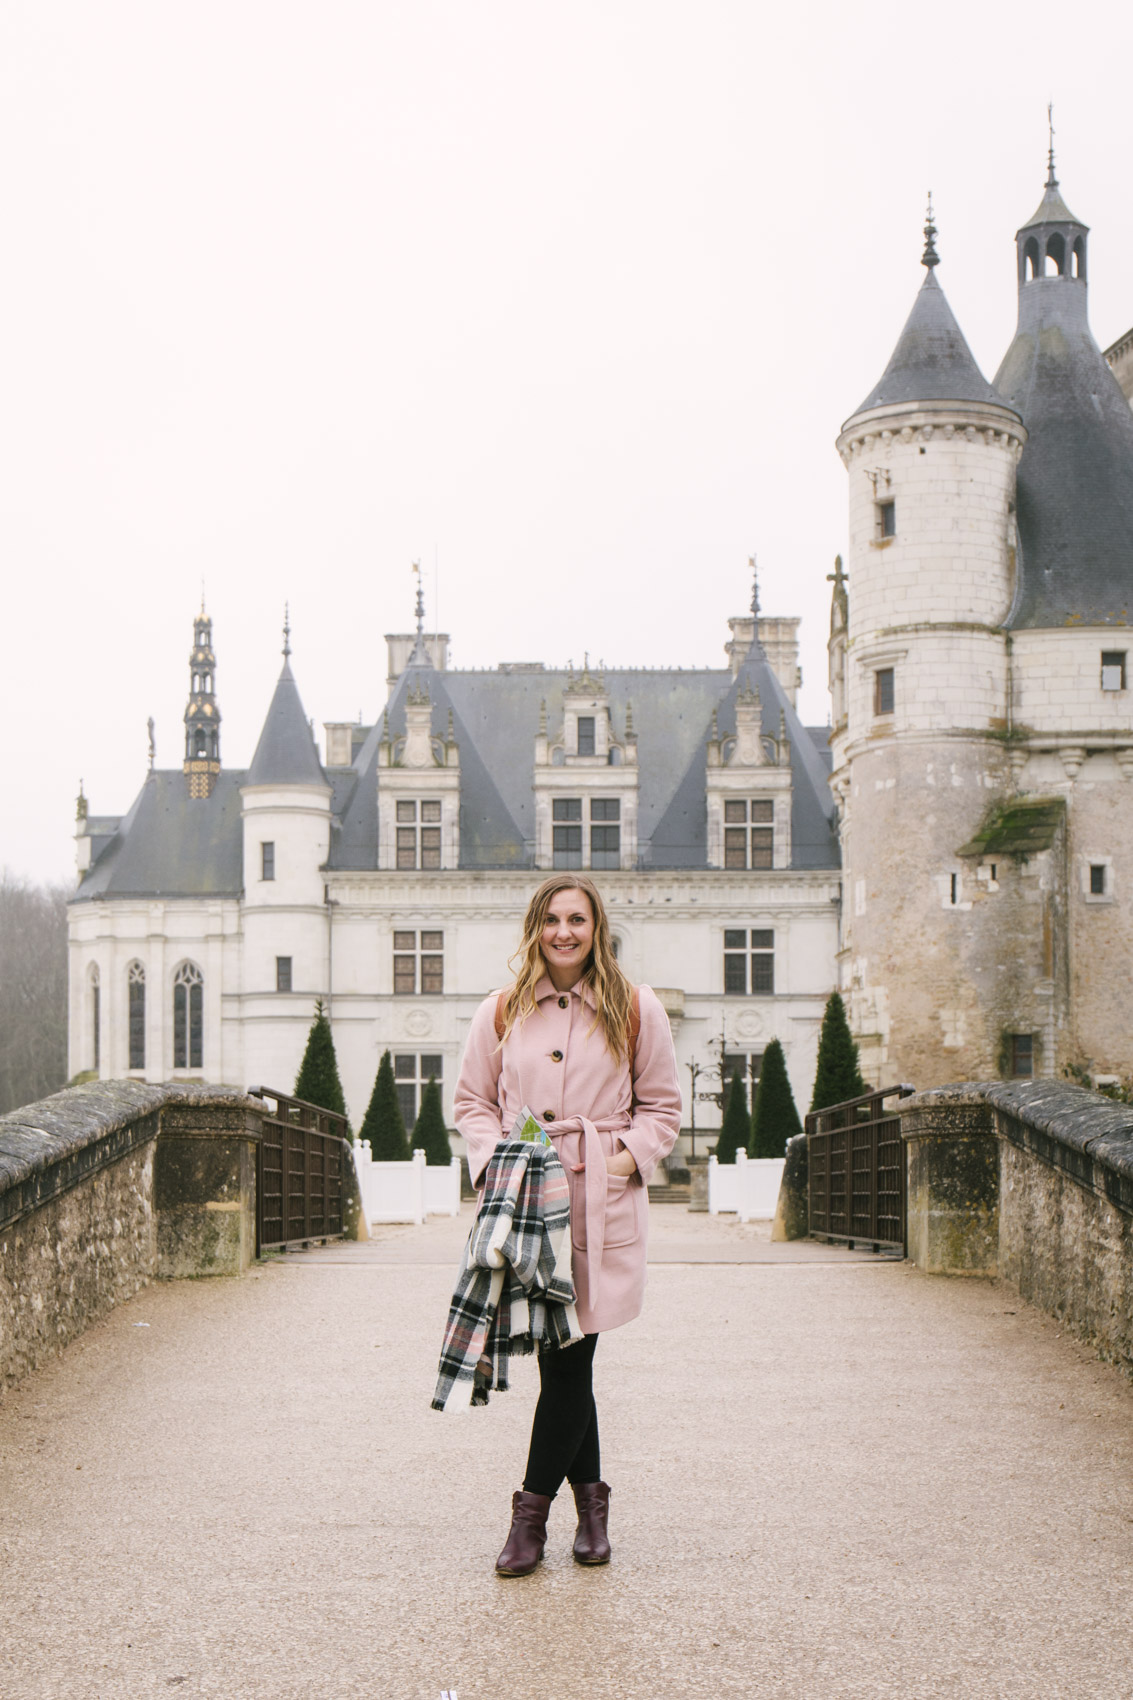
column 833, row 1478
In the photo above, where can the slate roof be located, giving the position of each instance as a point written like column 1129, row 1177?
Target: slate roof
column 932, row 361
column 1075, row 477
column 286, row 753
column 171, row 844
column 496, row 719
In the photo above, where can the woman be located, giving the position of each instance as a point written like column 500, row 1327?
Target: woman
column 561, row 1040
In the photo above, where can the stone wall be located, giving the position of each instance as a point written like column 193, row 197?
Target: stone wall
column 1031, row 1181
column 105, row 1187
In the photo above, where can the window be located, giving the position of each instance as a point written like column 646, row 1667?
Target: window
column 95, row 1016
column 267, row 861
column 954, row 888
column 188, row 1017
column 883, row 691
column 136, row 1001
column 886, row 519
column 1023, row 1055
column 419, row 834
column 418, row 963
column 412, row 1074
column 1097, row 879
column 747, row 1064
column 586, row 734
column 749, row 961
column 1113, row 669
column 283, row 973
column 566, row 845
column 606, row 837
column 749, row 846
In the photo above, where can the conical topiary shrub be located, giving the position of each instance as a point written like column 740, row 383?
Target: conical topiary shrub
column 774, row 1119
column 736, row 1130
column 317, row 1081
column 383, row 1125
column 837, row 1076
column 430, row 1134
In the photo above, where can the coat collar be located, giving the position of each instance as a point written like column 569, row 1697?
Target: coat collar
column 545, row 988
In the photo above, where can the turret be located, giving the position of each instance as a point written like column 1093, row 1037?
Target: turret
column 202, row 716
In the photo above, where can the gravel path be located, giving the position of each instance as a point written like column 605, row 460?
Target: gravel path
column 832, row 1478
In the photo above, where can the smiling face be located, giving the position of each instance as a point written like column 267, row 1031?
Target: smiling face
column 568, row 937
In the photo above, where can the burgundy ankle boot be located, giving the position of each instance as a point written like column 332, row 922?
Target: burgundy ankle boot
column 527, row 1536
column 592, row 1543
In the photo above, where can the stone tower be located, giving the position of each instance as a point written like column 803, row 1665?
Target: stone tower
column 202, row 716
column 920, row 750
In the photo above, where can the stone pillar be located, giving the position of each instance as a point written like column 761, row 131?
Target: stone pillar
column 952, row 1153
column 204, row 1188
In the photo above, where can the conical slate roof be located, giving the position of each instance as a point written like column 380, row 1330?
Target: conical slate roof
column 1052, row 209
column 1074, row 485
column 286, row 754
column 931, row 361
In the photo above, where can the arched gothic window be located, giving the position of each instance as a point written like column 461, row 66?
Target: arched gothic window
column 1030, row 260
column 95, row 1016
column 1080, row 259
column 188, row 1016
column 136, row 993
column 1055, row 256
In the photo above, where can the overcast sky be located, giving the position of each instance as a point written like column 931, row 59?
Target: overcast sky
column 568, row 301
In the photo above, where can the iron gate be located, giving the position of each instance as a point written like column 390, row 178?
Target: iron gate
column 856, row 1171
column 298, row 1173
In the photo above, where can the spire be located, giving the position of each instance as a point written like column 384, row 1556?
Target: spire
column 1051, row 179
column 930, row 257
column 419, row 654
column 286, row 630
column 932, row 361
column 202, row 716
column 286, row 754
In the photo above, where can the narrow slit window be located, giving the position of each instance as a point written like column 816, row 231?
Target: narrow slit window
column 1023, row 1055
column 283, row 973
column 267, row 860
column 136, row 979
column 954, row 889
column 1113, row 669
column 1097, row 879
column 887, row 519
column 884, row 694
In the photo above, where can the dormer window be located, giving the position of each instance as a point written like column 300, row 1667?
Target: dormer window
column 1113, row 669
column 749, row 837
column 419, row 834
column 586, row 734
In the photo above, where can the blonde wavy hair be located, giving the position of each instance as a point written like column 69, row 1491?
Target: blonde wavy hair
column 612, row 992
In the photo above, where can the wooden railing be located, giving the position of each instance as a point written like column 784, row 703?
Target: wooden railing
column 856, row 1171
column 298, row 1173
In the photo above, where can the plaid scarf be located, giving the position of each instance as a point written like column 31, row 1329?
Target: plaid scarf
column 514, row 1288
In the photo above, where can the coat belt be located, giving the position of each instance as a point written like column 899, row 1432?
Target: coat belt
column 583, row 1136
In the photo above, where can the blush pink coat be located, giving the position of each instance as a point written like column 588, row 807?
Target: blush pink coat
column 563, row 1072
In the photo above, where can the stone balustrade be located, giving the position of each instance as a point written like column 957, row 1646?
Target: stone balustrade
column 1031, row 1181
column 107, row 1186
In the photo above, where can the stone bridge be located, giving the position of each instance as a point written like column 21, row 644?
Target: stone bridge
column 834, row 1475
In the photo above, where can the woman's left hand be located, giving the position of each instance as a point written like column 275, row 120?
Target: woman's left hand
column 621, row 1163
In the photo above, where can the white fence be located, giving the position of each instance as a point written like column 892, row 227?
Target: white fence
column 406, row 1192
column 749, row 1186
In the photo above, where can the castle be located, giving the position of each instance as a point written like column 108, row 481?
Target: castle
column 953, row 851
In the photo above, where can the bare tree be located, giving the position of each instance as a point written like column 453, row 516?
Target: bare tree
column 33, row 990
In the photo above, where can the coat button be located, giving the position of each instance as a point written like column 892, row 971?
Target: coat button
column 556, row 1056
column 548, row 1115
column 563, row 1002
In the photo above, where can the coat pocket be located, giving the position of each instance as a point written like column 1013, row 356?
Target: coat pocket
column 623, row 1213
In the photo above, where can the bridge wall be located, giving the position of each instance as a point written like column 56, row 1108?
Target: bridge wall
column 1031, row 1181
column 107, row 1186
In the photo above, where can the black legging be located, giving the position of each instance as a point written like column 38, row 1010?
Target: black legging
column 564, row 1433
